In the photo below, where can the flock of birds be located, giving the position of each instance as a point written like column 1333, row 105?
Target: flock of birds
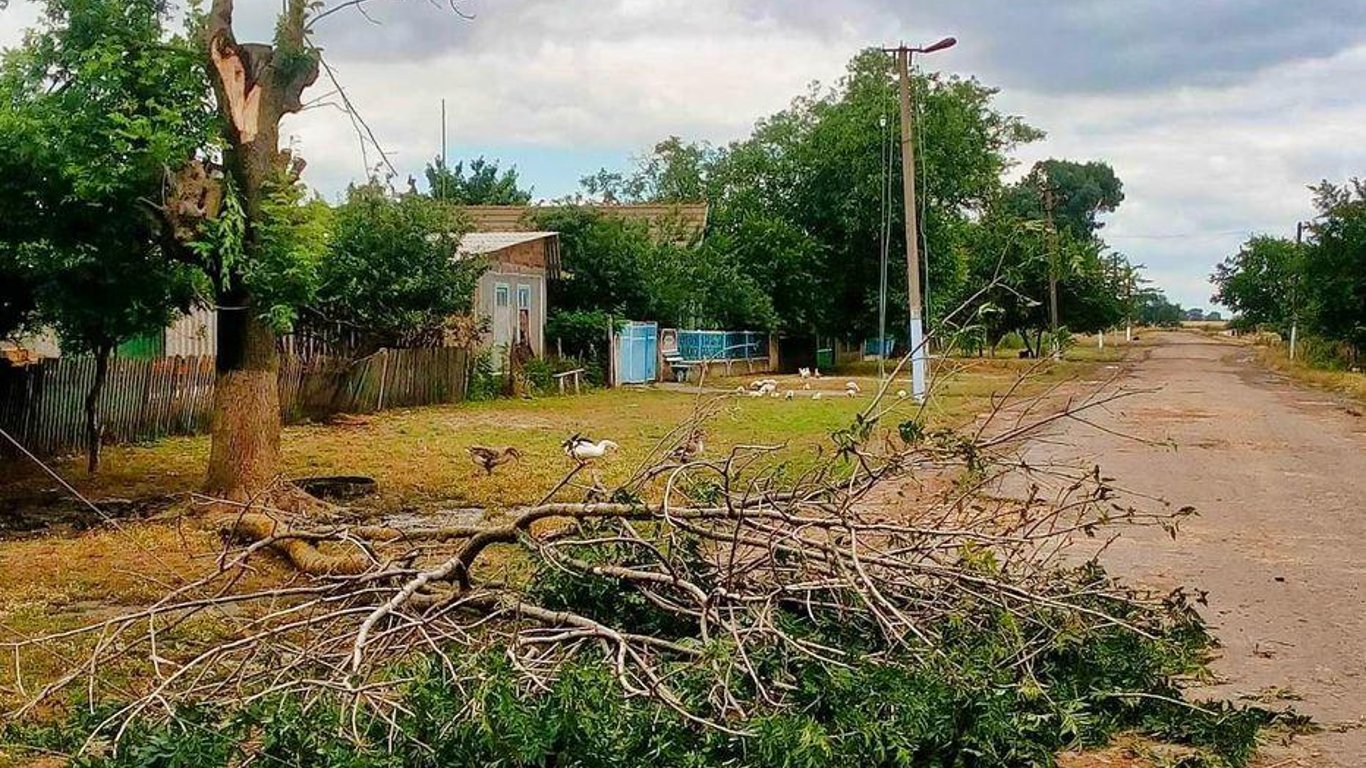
column 769, row 387
column 586, row 450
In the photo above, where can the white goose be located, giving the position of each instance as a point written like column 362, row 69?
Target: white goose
column 583, row 450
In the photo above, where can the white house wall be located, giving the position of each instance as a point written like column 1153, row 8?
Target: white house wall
column 503, row 326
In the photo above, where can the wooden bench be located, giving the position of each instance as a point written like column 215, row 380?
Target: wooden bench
column 574, row 375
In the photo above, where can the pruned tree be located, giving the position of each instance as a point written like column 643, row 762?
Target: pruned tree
column 255, row 86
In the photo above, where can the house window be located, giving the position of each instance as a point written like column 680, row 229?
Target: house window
column 524, row 297
column 500, row 295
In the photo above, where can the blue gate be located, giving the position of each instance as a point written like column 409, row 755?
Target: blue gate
column 638, row 353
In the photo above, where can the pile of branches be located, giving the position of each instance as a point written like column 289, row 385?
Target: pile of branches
column 704, row 583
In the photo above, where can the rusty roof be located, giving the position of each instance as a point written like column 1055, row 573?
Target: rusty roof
column 690, row 217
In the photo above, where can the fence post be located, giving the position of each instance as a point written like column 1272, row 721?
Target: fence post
column 383, row 374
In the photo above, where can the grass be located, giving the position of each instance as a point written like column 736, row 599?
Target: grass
column 68, row 578
column 1276, row 355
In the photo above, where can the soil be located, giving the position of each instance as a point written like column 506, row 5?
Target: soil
column 1277, row 473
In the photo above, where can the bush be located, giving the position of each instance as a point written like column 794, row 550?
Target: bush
column 581, row 334
column 486, row 382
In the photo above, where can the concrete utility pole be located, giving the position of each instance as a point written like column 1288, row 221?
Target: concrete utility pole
column 1294, row 290
column 919, row 354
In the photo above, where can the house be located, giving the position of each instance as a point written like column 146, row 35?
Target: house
column 512, row 292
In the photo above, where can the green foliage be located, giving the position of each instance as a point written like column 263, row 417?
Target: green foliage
column 1073, row 193
column 618, row 266
column 1154, row 309
column 1335, row 265
column 391, row 272
column 486, row 383
column 484, row 185
column 797, row 207
column 1321, row 284
column 1254, row 282
column 94, row 107
column 292, row 233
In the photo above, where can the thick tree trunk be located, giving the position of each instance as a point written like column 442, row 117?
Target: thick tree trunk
column 94, row 430
column 244, row 457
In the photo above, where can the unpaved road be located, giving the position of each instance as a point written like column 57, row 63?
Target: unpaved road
column 1278, row 474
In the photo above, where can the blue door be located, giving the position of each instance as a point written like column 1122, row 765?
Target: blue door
column 638, row 353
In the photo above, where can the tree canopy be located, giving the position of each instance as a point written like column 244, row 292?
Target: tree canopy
column 390, row 274
column 483, row 183
column 1319, row 284
column 95, row 105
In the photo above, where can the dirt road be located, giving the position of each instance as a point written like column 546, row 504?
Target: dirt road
column 1278, row 474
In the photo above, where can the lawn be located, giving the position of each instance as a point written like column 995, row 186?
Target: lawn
column 63, row 577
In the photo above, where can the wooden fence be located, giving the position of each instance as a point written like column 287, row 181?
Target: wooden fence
column 42, row 405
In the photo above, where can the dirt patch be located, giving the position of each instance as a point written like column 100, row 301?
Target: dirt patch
column 55, row 511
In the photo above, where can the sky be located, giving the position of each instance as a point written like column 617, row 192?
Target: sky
column 1216, row 114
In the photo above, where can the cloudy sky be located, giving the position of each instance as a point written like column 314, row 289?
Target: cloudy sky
column 1215, row 113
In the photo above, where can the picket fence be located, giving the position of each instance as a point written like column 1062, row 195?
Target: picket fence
column 43, row 405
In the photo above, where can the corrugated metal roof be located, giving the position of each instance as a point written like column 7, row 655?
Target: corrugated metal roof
column 476, row 243
column 690, row 218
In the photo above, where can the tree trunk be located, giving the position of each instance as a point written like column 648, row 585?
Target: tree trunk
column 244, row 457
column 94, row 430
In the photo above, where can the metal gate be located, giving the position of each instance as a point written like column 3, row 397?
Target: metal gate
column 638, row 353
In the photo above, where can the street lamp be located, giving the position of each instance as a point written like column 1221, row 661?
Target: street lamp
column 919, row 355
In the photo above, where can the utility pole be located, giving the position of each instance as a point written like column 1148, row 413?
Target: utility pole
column 1046, row 192
column 443, row 149
column 919, row 354
column 919, row 358
column 1294, row 289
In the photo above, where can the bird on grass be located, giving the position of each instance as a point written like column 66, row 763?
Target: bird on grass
column 690, row 449
column 584, row 450
column 491, row 458
column 816, row 396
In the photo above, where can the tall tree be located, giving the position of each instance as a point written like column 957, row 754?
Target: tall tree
column 1335, row 265
column 484, row 184
column 95, row 105
column 1253, row 281
column 1074, row 194
column 261, row 247
column 800, row 202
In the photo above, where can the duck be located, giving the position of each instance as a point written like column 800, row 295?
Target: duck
column 901, row 394
column 816, row 396
column 852, row 386
column 805, row 373
column 787, row 395
column 491, row 458
column 691, row 449
column 584, row 450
